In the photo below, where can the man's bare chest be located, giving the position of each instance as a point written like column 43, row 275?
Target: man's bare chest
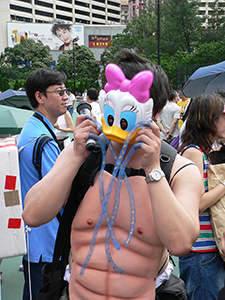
column 123, row 207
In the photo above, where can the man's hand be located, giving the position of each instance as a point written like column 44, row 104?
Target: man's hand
column 150, row 137
column 81, row 134
column 56, row 125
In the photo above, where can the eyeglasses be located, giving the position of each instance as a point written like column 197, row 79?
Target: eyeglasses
column 60, row 92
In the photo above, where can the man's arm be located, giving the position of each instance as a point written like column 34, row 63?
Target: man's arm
column 69, row 122
column 45, row 199
column 161, row 127
column 173, row 125
column 74, row 99
column 175, row 210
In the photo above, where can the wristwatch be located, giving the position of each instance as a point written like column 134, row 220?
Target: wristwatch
column 154, row 175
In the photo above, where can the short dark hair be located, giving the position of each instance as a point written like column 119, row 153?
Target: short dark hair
column 219, row 92
column 92, row 93
column 132, row 63
column 40, row 80
column 173, row 95
column 60, row 26
column 69, row 90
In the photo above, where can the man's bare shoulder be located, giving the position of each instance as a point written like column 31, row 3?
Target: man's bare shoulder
column 182, row 167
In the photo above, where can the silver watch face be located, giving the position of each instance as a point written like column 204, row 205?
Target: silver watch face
column 156, row 175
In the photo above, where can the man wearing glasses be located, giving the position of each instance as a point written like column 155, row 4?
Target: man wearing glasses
column 48, row 95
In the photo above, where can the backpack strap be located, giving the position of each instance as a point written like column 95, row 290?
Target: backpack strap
column 80, row 185
column 167, row 157
column 37, row 152
column 37, row 157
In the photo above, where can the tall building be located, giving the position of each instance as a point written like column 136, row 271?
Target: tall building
column 124, row 12
column 80, row 11
column 91, row 12
column 135, row 6
column 205, row 9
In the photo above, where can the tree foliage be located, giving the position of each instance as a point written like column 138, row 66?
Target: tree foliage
column 18, row 62
column 180, row 25
column 183, row 40
column 86, row 69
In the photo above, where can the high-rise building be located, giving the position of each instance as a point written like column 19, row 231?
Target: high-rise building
column 124, row 12
column 206, row 10
column 83, row 12
column 80, row 11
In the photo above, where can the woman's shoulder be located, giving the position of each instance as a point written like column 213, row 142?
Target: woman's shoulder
column 192, row 148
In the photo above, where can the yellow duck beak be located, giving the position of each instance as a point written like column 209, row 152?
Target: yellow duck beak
column 117, row 134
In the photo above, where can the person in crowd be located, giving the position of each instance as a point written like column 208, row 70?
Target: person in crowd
column 169, row 117
column 63, row 32
column 71, row 102
column 63, row 127
column 92, row 98
column 84, row 95
column 46, row 92
column 166, row 217
column 202, row 269
column 182, row 103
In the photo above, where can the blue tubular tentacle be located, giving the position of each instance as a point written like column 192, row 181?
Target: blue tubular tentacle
column 99, row 126
column 119, row 170
column 104, row 212
column 122, row 175
column 109, row 256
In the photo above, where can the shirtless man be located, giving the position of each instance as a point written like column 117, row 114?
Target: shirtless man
column 166, row 217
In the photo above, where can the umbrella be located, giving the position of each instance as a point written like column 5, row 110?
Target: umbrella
column 13, row 119
column 15, row 99
column 205, row 80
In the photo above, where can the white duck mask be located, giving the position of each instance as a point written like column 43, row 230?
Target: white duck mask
column 124, row 102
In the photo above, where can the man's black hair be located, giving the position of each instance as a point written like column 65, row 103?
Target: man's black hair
column 173, row 95
column 132, row 63
column 92, row 93
column 40, row 80
column 220, row 92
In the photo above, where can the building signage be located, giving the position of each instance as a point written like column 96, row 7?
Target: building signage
column 99, row 41
column 56, row 36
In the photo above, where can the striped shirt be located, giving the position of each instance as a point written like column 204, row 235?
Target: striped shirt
column 205, row 241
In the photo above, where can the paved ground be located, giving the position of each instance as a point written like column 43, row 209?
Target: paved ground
column 12, row 279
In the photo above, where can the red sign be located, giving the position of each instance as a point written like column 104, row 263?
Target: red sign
column 99, row 41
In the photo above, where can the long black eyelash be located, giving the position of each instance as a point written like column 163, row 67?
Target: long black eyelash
column 134, row 109
column 106, row 98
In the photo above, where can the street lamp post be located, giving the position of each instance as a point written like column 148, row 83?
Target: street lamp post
column 158, row 31
column 75, row 40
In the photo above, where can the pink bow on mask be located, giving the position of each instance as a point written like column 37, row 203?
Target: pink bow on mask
column 138, row 86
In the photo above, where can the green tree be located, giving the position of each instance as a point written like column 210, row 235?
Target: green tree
column 18, row 62
column 86, row 66
column 140, row 34
column 180, row 25
column 4, row 84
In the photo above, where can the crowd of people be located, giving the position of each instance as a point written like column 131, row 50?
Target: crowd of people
column 135, row 214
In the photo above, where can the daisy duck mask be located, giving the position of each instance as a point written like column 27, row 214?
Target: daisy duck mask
column 124, row 102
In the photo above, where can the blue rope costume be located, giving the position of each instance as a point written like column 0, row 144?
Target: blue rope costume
column 119, row 170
